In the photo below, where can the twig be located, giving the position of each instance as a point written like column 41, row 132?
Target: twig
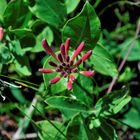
column 119, row 2
column 21, row 129
column 5, row 133
column 27, row 136
column 125, row 58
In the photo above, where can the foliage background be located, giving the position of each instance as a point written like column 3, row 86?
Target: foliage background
column 109, row 32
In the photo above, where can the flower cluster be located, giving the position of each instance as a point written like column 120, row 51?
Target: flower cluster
column 1, row 33
column 66, row 65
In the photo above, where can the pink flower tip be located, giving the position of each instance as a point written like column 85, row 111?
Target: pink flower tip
column 43, row 70
column 78, row 50
column 67, row 44
column 48, row 48
column 72, row 77
column 87, row 73
column 87, row 55
column 1, row 33
column 62, row 48
column 69, row 85
column 54, row 80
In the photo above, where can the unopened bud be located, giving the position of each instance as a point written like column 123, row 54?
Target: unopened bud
column 52, row 64
column 87, row 55
column 1, row 33
column 55, row 80
column 48, row 48
column 78, row 50
column 43, row 70
column 69, row 84
column 87, row 73
column 67, row 44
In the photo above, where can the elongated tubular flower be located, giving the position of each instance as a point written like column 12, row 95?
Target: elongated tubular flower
column 67, row 66
column 48, row 48
column 87, row 55
column 67, row 44
column 1, row 33
column 87, row 73
column 46, row 70
column 51, row 63
column 78, row 50
column 69, row 84
column 55, row 80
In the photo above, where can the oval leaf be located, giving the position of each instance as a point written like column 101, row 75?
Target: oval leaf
column 103, row 62
column 83, row 27
column 67, row 103
column 112, row 103
column 52, row 12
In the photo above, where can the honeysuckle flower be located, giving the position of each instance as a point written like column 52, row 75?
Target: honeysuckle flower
column 1, row 33
column 66, row 66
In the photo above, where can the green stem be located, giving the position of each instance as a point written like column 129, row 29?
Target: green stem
column 1, row 75
column 50, row 122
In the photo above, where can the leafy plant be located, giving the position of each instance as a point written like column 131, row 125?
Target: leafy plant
column 73, row 99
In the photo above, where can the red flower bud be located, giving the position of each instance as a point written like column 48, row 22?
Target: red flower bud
column 71, row 63
column 87, row 73
column 46, row 70
column 74, row 70
column 62, row 49
column 87, row 55
column 78, row 62
column 1, row 33
column 60, row 57
column 67, row 58
column 69, row 84
column 52, row 64
column 67, row 44
column 48, row 48
column 78, row 50
column 55, row 80
column 72, row 77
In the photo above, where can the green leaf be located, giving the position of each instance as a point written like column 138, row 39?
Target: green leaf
column 46, row 33
column 49, row 132
column 78, row 130
column 25, row 36
column 105, row 130
column 135, row 53
column 15, row 14
column 82, row 80
column 57, row 87
column 3, row 4
column 112, row 103
column 135, row 103
column 6, row 107
column 84, row 27
column 52, row 12
column 22, row 67
column 134, row 112
column 66, row 103
column 137, row 135
column 103, row 62
column 71, row 5
column 5, row 55
column 127, row 75
column 80, row 92
column 132, row 118
column 18, row 95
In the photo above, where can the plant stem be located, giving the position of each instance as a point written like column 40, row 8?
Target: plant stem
column 21, row 129
column 125, row 58
column 118, row 2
